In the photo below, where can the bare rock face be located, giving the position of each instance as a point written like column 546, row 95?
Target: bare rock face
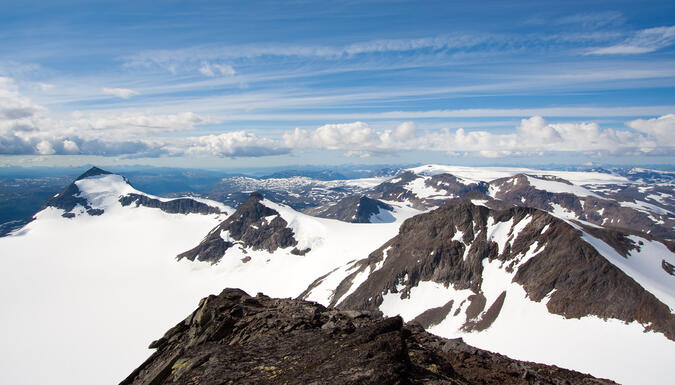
column 354, row 209
column 234, row 338
column 252, row 225
column 173, row 206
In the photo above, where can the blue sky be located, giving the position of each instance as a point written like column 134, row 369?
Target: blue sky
column 254, row 83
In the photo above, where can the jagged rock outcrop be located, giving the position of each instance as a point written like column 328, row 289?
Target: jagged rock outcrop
column 252, row 225
column 173, row 206
column 354, row 209
column 546, row 256
column 234, row 338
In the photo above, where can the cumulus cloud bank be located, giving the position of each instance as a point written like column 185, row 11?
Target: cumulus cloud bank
column 235, row 144
column 660, row 129
column 533, row 135
column 356, row 137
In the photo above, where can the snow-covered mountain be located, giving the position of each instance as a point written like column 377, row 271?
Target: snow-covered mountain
column 89, row 282
column 81, row 284
column 513, row 261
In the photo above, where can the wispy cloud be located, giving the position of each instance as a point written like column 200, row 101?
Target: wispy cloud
column 124, row 93
column 212, row 70
column 593, row 20
column 644, row 41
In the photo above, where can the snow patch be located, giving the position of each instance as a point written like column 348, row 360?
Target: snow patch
column 424, row 296
column 643, row 266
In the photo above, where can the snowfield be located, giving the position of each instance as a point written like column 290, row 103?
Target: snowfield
column 487, row 174
column 84, row 297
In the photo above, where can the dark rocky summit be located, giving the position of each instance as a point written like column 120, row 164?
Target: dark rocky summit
column 173, row 206
column 354, row 209
column 234, row 338
column 253, row 224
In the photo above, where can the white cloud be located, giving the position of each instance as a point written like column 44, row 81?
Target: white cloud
column 44, row 147
column 134, row 125
column 123, row 93
column 334, row 137
column 538, row 129
column 70, row 147
column 234, row 144
column 13, row 105
column 27, row 128
column 661, row 129
column 405, row 130
column 212, row 70
column 591, row 20
column 644, row 41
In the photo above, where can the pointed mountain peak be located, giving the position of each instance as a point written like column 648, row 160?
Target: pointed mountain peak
column 255, row 196
column 94, row 171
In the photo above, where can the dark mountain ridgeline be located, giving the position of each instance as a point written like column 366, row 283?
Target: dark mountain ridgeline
column 235, row 338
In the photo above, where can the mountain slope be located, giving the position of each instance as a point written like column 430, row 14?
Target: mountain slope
column 82, row 294
column 485, row 275
column 236, row 338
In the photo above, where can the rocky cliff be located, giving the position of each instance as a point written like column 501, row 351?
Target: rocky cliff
column 234, row 338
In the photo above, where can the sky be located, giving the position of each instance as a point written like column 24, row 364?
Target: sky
column 262, row 83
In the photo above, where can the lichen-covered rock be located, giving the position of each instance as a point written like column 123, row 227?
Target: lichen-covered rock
column 234, row 338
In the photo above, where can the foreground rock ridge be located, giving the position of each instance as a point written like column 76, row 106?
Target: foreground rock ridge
column 234, row 338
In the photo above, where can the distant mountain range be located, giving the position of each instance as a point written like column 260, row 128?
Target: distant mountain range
column 567, row 268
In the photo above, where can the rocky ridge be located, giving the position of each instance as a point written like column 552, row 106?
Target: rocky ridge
column 354, row 209
column 546, row 256
column 172, row 206
column 618, row 209
column 252, row 225
column 234, row 338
